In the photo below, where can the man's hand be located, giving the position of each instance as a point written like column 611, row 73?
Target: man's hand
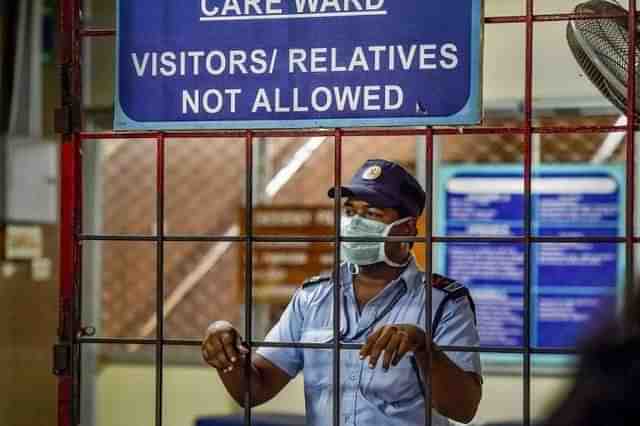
column 395, row 341
column 222, row 346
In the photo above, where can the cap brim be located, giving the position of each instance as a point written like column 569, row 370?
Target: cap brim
column 364, row 193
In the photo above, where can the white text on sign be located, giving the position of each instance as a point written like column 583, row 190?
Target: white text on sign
column 214, row 10
column 320, row 99
column 422, row 57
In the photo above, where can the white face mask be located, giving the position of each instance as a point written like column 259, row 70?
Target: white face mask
column 367, row 253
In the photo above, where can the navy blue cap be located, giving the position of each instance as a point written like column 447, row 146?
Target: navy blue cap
column 383, row 183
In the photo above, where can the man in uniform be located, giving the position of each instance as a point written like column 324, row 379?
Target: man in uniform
column 383, row 296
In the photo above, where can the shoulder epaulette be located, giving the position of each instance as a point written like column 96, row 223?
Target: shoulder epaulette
column 453, row 291
column 315, row 280
column 447, row 285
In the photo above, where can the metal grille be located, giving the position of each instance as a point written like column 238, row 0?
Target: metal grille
column 516, row 142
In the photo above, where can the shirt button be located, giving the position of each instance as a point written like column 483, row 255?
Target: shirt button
column 353, row 377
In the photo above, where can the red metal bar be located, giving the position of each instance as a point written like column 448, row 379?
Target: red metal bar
column 528, row 211
column 631, row 169
column 248, row 269
column 574, row 17
column 488, row 130
column 67, row 254
column 159, row 359
column 70, row 214
column 108, row 135
column 110, row 32
column 554, row 17
column 337, row 287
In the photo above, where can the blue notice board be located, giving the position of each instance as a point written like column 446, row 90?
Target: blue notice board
column 572, row 283
column 297, row 63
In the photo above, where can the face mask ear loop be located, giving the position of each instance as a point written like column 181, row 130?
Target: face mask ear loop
column 383, row 254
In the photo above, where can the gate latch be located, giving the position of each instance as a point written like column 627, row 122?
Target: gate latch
column 61, row 359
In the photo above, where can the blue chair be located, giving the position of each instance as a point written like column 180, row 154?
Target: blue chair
column 256, row 420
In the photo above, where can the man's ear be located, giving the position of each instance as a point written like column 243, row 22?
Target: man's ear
column 412, row 224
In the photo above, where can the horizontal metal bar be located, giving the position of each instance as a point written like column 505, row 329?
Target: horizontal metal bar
column 301, row 345
column 510, row 350
column 116, row 340
column 331, row 239
column 575, row 16
column 473, row 130
column 579, row 129
column 549, row 18
column 293, row 239
column 204, row 238
column 110, row 32
column 473, row 239
column 114, row 237
column 534, row 239
column 111, row 135
column 97, row 32
column 514, row 19
column 327, row 346
column 589, row 239
column 488, row 349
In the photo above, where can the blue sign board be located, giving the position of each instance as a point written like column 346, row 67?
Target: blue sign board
column 297, row 63
column 572, row 283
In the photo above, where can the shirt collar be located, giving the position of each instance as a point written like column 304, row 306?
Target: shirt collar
column 410, row 276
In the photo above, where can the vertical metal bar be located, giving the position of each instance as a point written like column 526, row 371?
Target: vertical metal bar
column 70, row 214
column 159, row 361
column 70, row 221
column 337, row 287
column 428, row 265
column 528, row 160
column 248, row 284
column 67, row 247
column 631, row 167
column 77, row 279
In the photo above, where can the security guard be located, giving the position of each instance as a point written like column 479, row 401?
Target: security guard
column 383, row 298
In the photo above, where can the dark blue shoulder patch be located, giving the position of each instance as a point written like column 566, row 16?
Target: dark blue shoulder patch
column 448, row 285
column 453, row 291
column 315, row 280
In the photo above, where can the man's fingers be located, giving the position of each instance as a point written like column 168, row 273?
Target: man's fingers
column 366, row 349
column 208, row 346
column 209, row 355
column 214, row 353
column 241, row 347
column 229, row 347
column 213, row 361
column 380, row 345
column 403, row 348
column 222, row 346
column 391, row 349
column 208, row 350
column 223, row 361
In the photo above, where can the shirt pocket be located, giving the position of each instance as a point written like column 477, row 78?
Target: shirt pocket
column 318, row 363
column 397, row 387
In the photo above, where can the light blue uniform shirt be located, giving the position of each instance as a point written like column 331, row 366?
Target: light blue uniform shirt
column 368, row 397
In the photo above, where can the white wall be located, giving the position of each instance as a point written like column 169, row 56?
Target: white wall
column 126, row 395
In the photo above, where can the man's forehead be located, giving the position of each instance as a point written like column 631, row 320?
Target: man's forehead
column 359, row 202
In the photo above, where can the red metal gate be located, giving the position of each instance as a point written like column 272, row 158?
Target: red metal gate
column 69, row 121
